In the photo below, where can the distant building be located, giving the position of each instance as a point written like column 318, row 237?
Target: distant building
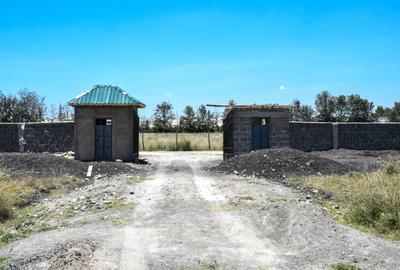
column 106, row 124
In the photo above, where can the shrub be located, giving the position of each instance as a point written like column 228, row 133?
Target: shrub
column 368, row 201
column 392, row 168
column 185, row 145
column 6, row 211
column 4, row 264
column 344, row 266
column 366, row 210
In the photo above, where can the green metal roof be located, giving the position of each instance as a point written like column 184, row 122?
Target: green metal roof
column 106, row 95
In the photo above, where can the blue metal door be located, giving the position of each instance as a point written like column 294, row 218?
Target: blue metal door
column 260, row 136
column 103, row 143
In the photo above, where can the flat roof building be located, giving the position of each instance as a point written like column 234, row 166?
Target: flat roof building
column 255, row 127
column 106, row 124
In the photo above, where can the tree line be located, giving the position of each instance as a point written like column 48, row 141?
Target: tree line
column 342, row 108
column 165, row 120
column 28, row 106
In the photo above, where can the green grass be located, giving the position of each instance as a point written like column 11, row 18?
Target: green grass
column 122, row 221
column 119, row 204
column 186, row 141
column 245, row 198
column 344, row 266
column 138, row 179
column 224, row 207
column 209, row 265
column 4, row 263
column 26, row 220
column 18, row 217
column 368, row 201
column 6, row 211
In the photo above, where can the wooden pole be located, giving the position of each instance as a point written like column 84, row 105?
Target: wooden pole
column 143, row 141
column 208, row 132
column 209, row 141
column 176, row 131
column 176, row 139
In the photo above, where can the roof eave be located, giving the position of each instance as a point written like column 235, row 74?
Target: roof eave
column 141, row 106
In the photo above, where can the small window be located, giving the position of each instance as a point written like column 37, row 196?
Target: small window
column 104, row 122
column 261, row 121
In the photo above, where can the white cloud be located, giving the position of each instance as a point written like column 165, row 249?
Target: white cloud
column 168, row 95
column 283, row 88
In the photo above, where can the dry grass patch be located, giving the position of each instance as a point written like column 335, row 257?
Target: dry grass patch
column 344, row 266
column 368, row 201
column 186, row 141
column 18, row 204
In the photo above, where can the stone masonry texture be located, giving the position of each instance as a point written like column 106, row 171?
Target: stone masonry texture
column 9, row 137
column 36, row 137
column 368, row 136
column 49, row 137
column 238, row 129
column 305, row 136
column 311, row 136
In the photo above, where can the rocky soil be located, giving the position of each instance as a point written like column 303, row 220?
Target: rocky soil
column 47, row 165
column 360, row 160
column 183, row 217
column 279, row 164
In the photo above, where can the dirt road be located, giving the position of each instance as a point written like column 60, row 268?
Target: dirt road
column 185, row 218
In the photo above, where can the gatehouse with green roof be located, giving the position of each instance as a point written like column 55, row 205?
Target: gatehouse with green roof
column 106, row 124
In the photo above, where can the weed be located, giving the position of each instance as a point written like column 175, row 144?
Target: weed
column 392, row 168
column 186, row 145
column 274, row 199
column 245, row 198
column 121, row 221
column 369, row 201
column 344, row 266
column 138, row 178
column 19, row 217
column 4, row 263
column 85, row 221
column 6, row 211
column 118, row 204
column 209, row 266
column 223, row 207
column 6, row 236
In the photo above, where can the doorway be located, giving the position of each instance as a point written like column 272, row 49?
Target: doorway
column 260, row 133
column 103, row 141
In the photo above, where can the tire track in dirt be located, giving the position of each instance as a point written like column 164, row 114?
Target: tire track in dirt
column 239, row 230
column 175, row 226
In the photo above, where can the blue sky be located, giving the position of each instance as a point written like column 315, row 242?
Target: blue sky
column 193, row 52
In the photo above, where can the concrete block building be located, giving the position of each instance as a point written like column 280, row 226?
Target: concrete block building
column 254, row 127
column 106, row 124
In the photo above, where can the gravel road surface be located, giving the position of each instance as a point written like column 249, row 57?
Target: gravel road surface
column 186, row 218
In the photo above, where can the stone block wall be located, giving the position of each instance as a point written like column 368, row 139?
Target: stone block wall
column 311, row 136
column 49, row 137
column 228, row 136
column 9, row 137
column 367, row 136
column 36, row 137
column 279, row 131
